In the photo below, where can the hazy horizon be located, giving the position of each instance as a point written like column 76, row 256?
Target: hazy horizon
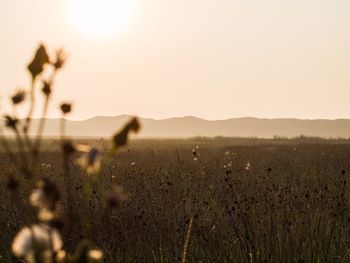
column 187, row 116
column 189, row 127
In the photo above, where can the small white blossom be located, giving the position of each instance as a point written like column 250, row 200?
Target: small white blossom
column 95, row 254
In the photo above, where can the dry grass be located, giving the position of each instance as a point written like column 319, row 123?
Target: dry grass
column 291, row 205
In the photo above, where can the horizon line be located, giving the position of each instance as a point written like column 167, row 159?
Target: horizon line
column 192, row 116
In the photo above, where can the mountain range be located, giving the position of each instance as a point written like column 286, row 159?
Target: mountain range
column 192, row 126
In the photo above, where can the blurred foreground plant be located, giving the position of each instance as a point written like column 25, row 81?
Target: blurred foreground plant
column 41, row 240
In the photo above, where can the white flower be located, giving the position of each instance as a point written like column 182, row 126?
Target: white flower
column 46, row 165
column 95, row 254
column 37, row 240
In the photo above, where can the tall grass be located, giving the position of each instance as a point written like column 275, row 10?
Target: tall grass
column 292, row 205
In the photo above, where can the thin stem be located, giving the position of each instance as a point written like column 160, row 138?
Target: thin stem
column 31, row 107
column 184, row 252
column 21, row 149
column 29, row 116
column 38, row 139
column 62, row 129
column 41, row 126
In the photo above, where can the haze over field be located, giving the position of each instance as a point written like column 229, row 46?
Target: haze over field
column 192, row 126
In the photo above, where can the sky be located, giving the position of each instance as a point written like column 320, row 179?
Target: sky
column 215, row 59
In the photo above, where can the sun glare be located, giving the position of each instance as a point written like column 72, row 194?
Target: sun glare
column 100, row 18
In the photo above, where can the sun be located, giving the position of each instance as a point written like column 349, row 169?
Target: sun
column 100, row 18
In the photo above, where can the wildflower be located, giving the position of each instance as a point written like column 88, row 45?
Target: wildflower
column 37, row 241
column 195, row 152
column 46, row 89
column 60, row 59
column 247, row 166
column 95, row 254
column 11, row 122
column 90, row 159
column 45, row 196
column 121, row 138
column 36, row 66
column 46, row 165
column 18, row 97
column 66, row 108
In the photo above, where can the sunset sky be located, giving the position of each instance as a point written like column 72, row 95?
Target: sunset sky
column 214, row 59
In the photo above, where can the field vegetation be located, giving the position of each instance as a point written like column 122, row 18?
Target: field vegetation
column 256, row 201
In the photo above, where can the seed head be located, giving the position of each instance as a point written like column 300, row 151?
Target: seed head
column 10, row 122
column 60, row 59
column 41, row 58
column 18, row 97
column 66, row 108
column 46, row 88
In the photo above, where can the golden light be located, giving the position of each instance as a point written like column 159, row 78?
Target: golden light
column 100, row 18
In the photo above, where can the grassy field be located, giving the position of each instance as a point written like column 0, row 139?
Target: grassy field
column 248, row 200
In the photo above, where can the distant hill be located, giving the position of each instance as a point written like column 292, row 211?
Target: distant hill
column 193, row 126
